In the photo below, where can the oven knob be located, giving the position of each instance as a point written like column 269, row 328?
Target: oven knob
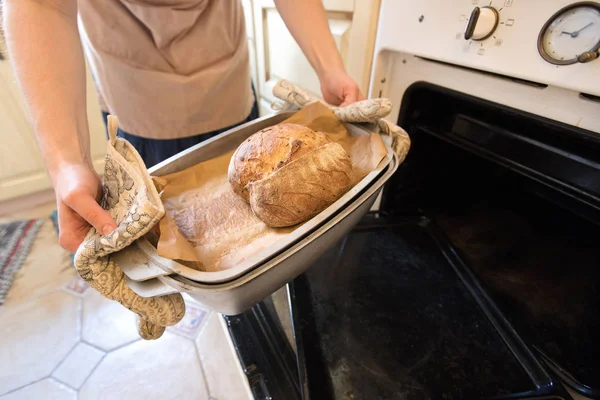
column 482, row 23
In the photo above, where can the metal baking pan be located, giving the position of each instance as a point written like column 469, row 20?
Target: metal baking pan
column 140, row 261
column 234, row 297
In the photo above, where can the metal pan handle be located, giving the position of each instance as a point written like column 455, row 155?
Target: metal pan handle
column 150, row 288
column 140, row 261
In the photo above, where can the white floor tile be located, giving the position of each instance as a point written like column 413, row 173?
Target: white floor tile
column 106, row 323
column 224, row 374
column 167, row 368
column 47, row 389
column 36, row 336
column 75, row 369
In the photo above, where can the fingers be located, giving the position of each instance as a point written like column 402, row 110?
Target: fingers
column 346, row 102
column 77, row 186
column 339, row 89
column 75, row 215
column 352, row 96
column 86, row 206
column 72, row 228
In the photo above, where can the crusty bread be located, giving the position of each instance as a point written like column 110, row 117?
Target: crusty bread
column 269, row 149
column 302, row 188
column 289, row 173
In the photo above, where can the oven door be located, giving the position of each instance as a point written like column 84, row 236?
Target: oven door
column 477, row 278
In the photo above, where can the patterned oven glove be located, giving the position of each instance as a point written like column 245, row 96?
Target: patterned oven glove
column 366, row 111
column 133, row 201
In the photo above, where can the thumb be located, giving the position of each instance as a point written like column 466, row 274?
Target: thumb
column 87, row 207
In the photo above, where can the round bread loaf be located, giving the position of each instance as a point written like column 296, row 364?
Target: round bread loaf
column 268, row 150
column 289, row 173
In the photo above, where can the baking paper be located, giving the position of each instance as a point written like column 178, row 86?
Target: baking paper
column 210, row 228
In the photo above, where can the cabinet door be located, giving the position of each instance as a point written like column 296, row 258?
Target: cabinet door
column 21, row 165
column 353, row 25
column 22, row 170
column 248, row 14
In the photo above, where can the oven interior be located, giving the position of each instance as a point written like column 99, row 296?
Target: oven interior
column 518, row 198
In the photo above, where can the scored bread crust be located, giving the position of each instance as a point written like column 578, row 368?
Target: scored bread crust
column 269, row 150
column 303, row 188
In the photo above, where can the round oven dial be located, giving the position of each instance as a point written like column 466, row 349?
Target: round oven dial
column 571, row 35
column 482, row 23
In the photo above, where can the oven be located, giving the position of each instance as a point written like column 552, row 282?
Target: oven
column 478, row 273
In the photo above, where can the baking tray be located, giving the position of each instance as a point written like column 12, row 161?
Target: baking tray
column 133, row 259
column 232, row 298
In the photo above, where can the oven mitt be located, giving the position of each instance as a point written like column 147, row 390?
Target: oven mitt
column 133, row 201
column 366, row 111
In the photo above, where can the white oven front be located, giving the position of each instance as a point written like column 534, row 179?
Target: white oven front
column 426, row 41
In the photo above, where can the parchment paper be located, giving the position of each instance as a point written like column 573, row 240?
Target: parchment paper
column 211, row 228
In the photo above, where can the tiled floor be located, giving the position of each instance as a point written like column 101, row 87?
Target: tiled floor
column 60, row 339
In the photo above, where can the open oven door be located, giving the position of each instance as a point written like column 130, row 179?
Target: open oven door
column 478, row 278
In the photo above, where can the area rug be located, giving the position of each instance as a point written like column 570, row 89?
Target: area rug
column 16, row 238
column 54, row 218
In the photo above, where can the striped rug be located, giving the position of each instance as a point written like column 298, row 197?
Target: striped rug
column 16, row 238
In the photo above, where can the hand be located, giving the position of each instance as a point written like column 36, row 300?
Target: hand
column 339, row 89
column 78, row 190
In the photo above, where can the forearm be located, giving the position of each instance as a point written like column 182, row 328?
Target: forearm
column 307, row 22
column 47, row 57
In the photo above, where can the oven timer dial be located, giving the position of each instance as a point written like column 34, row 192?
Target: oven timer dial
column 571, row 35
column 482, row 23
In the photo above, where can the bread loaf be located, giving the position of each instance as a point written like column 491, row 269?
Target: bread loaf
column 267, row 150
column 289, row 173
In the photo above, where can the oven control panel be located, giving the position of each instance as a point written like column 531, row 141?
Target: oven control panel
column 552, row 42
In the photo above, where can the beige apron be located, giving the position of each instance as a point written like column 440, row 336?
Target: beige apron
column 168, row 68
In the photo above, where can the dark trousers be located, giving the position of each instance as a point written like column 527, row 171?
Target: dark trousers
column 154, row 151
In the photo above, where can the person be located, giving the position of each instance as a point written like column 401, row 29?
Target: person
column 174, row 72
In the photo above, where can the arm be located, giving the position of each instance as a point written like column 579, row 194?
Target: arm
column 44, row 47
column 307, row 22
